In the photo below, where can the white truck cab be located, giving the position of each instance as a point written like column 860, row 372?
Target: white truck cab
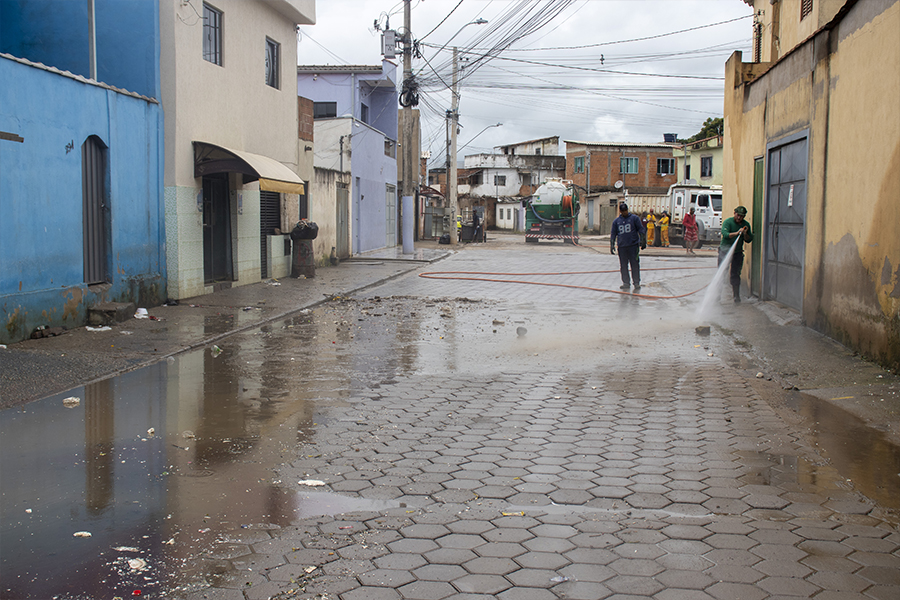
column 707, row 203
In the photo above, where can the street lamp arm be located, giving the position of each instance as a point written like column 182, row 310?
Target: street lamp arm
column 479, row 133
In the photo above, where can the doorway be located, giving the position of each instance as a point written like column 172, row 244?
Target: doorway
column 343, row 222
column 390, row 194
column 95, row 212
column 217, row 261
column 785, row 235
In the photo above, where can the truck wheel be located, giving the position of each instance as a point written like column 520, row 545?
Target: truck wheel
column 699, row 245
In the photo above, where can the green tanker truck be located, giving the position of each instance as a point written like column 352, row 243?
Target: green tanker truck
column 552, row 213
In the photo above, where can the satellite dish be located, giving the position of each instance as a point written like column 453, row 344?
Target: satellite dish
column 619, row 184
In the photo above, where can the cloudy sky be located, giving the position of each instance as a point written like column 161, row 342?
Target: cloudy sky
column 587, row 70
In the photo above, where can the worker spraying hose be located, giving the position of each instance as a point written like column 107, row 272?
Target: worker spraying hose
column 735, row 231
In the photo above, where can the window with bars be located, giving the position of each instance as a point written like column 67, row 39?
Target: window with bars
column 212, row 34
column 273, row 50
column 499, row 179
column 628, row 164
column 806, row 7
column 706, row 166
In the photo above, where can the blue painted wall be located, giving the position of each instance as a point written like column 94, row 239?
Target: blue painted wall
column 41, row 256
column 55, row 33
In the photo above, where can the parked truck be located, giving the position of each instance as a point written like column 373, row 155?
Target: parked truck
column 707, row 203
column 552, row 213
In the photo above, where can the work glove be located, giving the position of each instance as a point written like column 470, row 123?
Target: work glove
column 643, row 246
column 612, row 250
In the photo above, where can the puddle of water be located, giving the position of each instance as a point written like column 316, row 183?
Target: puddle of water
column 165, row 460
column 316, row 504
column 859, row 453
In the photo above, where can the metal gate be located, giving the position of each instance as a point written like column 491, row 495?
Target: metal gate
column 269, row 220
column 785, row 236
column 343, row 222
column 95, row 211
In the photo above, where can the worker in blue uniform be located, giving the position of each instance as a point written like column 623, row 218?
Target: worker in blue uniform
column 629, row 234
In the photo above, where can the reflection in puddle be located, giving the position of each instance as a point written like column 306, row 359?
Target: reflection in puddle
column 318, row 504
column 159, row 465
column 859, row 453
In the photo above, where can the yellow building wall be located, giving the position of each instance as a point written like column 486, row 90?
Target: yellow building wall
column 847, row 104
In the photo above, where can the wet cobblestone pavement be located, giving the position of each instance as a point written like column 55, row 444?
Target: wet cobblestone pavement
column 570, row 486
column 419, row 439
column 654, row 475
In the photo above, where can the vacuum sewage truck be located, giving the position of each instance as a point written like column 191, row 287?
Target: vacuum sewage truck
column 552, row 213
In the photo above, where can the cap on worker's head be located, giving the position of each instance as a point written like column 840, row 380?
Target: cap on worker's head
column 741, row 211
column 623, row 207
column 692, row 209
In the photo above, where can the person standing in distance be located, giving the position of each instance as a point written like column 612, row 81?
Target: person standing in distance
column 628, row 231
column 690, row 231
column 734, row 227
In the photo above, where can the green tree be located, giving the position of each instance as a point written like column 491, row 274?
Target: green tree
column 711, row 127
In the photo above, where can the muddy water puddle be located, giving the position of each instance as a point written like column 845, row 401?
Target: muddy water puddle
column 117, row 487
column 112, row 489
column 862, row 455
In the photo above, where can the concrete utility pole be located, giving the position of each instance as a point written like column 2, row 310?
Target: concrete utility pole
column 454, row 125
column 407, row 202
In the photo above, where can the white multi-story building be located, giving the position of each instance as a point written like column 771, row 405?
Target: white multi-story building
column 235, row 172
column 499, row 181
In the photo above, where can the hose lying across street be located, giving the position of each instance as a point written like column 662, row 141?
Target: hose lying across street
column 471, row 276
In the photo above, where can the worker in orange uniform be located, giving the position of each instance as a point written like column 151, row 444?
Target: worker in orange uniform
column 651, row 225
column 663, row 224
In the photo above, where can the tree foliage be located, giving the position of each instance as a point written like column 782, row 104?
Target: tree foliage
column 711, row 127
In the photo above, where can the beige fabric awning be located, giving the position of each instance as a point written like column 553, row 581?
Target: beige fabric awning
column 272, row 175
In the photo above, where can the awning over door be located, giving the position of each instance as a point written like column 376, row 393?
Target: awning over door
column 272, row 175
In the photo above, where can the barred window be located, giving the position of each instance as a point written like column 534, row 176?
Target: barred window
column 212, row 34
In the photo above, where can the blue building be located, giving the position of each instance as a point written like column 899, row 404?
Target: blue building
column 355, row 113
column 81, row 161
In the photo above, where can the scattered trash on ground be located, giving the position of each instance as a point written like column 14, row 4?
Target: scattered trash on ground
column 71, row 401
column 82, row 534
column 216, row 351
column 141, row 314
column 311, row 482
column 104, row 328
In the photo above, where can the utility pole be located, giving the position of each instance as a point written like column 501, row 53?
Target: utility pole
column 410, row 167
column 454, row 125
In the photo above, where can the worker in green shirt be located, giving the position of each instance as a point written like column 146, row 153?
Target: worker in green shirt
column 734, row 227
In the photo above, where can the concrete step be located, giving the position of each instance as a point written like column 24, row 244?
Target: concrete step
column 108, row 313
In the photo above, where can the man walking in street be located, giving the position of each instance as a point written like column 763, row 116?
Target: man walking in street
column 732, row 228
column 628, row 231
